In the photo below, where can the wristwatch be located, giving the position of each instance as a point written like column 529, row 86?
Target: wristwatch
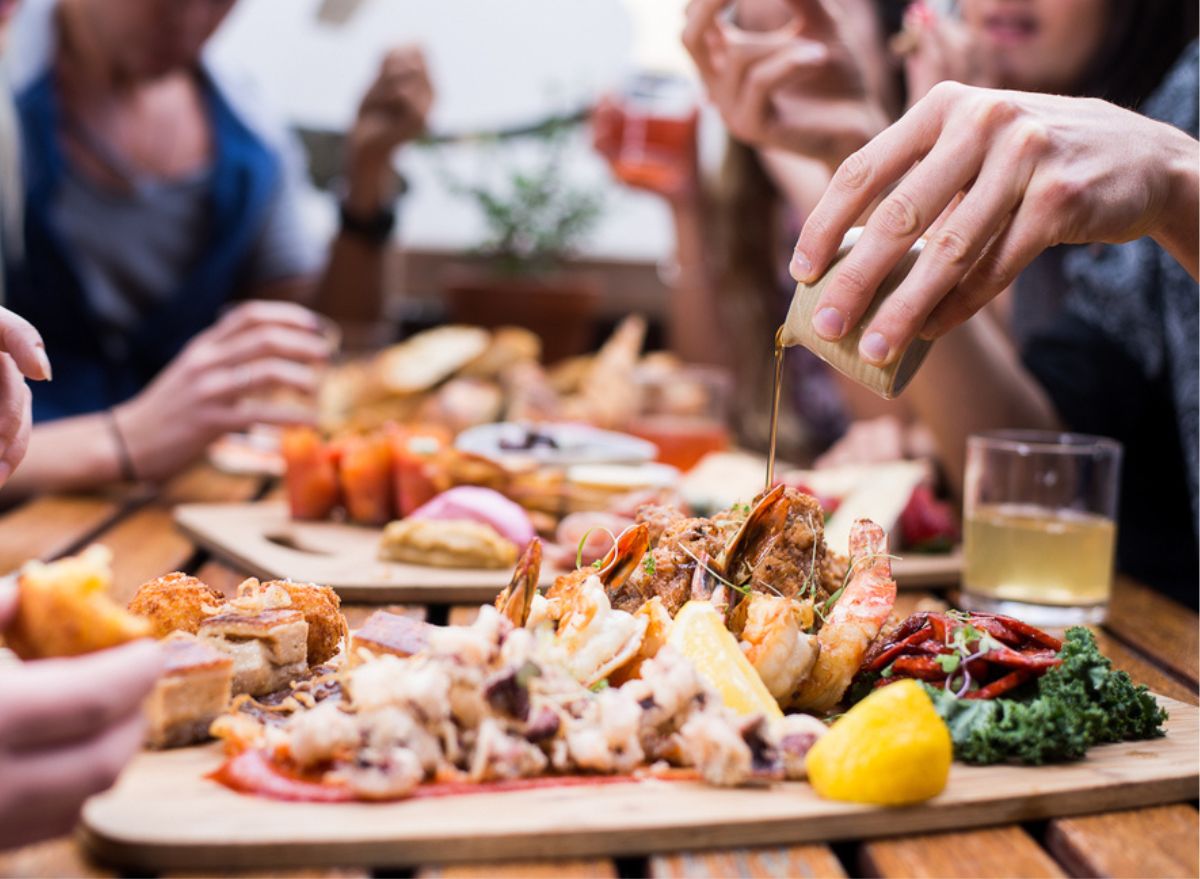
column 374, row 229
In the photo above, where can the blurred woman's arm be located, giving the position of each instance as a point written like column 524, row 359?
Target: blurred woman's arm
column 222, row 381
column 393, row 112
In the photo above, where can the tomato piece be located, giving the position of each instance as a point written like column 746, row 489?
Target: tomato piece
column 311, row 477
column 414, row 456
column 252, row 772
column 366, row 471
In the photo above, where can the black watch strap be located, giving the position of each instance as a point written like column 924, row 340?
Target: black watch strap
column 376, row 228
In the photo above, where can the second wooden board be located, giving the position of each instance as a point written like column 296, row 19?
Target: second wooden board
column 165, row 815
column 262, row 539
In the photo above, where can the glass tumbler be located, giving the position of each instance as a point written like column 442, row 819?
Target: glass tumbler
column 1039, row 525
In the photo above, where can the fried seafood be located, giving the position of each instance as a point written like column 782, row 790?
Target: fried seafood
column 854, row 622
column 491, row 702
column 175, row 602
column 802, row 618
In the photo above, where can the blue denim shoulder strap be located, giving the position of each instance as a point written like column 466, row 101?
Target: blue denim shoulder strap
column 48, row 288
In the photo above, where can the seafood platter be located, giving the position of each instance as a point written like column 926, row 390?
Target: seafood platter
column 718, row 680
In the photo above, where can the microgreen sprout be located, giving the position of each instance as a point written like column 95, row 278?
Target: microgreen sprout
column 598, row 564
column 648, row 565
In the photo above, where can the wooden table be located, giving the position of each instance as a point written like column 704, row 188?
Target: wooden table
column 1151, row 637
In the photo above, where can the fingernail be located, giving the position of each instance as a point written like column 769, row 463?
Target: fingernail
column 830, row 324
column 874, row 348
column 800, row 268
column 44, row 363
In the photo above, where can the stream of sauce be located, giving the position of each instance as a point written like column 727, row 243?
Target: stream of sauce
column 776, row 390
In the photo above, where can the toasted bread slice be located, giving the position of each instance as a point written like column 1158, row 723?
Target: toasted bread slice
column 428, row 358
column 446, row 543
column 269, row 648
column 194, row 690
column 64, row 609
column 175, row 603
column 385, row 632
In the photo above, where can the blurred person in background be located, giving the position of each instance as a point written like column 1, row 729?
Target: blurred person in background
column 1096, row 338
column 160, row 193
column 729, row 291
column 67, row 726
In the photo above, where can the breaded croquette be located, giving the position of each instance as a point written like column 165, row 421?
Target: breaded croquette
column 327, row 629
column 175, row 603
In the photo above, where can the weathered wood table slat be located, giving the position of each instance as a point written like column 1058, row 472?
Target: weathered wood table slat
column 1151, row 637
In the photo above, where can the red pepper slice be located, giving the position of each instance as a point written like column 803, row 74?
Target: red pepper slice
column 252, row 772
column 1001, row 685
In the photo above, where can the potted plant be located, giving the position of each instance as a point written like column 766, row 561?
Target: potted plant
column 535, row 218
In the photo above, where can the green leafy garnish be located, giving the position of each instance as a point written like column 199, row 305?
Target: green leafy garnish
column 601, row 684
column 1081, row 703
column 948, row 661
column 649, row 565
column 598, row 563
column 887, row 672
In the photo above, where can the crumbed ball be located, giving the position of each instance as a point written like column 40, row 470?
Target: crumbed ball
column 320, row 605
column 175, row 603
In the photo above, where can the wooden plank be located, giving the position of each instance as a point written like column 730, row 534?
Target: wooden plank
column 810, row 861
column 52, row 525
column 315, row 873
column 263, row 539
column 579, row 867
column 1004, row 851
column 60, row 857
column 164, row 813
column 1162, row 841
column 146, row 543
column 1162, row 629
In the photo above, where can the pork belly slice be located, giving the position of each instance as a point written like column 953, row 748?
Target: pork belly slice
column 269, row 648
column 194, row 689
column 385, row 632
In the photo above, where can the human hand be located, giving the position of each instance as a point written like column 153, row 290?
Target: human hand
column 222, row 382
column 999, row 176
column 942, row 49
column 67, row 729
column 393, row 112
column 681, row 184
column 797, row 88
column 22, row 355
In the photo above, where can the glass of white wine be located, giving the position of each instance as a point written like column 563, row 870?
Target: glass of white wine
column 1040, row 529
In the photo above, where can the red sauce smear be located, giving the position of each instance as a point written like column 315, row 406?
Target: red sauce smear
column 253, row 772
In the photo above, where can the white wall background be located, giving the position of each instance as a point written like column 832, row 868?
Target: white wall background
column 496, row 63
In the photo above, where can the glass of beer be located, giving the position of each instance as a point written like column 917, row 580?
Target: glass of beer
column 1039, row 513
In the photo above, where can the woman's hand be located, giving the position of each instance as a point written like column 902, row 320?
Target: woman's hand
column 223, row 381
column 22, row 355
column 798, row 88
column 942, row 49
column 991, row 179
column 681, row 185
column 67, row 729
column 393, row 112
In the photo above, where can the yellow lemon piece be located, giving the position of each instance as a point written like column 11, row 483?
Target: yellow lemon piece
column 699, row 633
column 890, row 749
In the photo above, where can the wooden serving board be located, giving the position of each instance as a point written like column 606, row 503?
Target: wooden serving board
column 164, row 815
column 262, row 539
